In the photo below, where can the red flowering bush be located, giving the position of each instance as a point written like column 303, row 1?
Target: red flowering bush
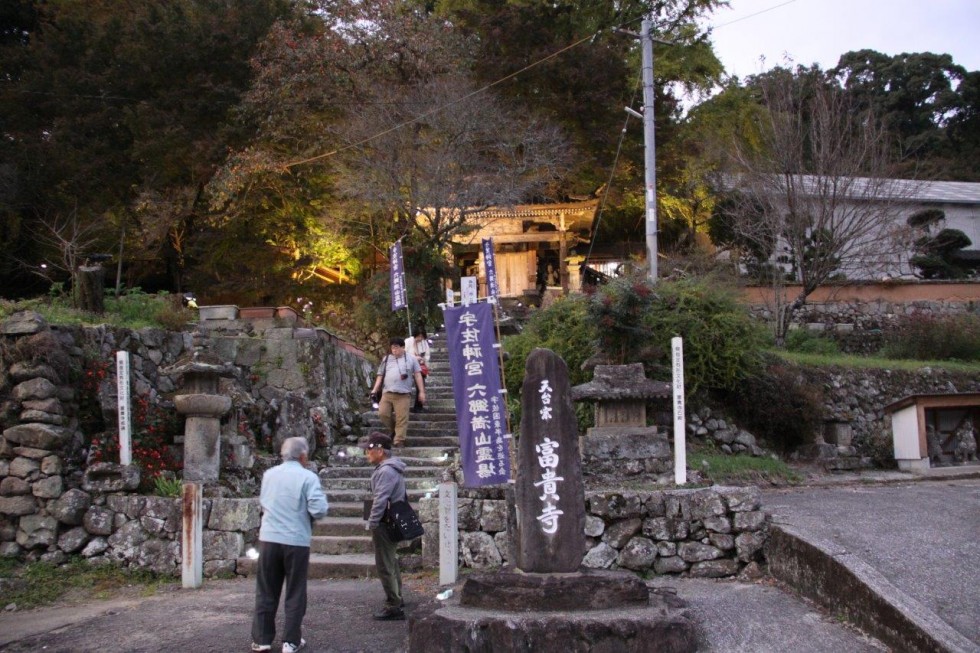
column 154, row 428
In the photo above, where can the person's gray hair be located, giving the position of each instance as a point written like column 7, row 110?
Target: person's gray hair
column 294, row 448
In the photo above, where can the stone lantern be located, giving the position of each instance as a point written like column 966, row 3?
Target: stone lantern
column 621, row 442
column 203, row 408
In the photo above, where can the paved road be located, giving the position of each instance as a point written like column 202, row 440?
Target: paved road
column 923, row 537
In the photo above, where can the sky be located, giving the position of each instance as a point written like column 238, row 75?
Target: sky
column 820, row 31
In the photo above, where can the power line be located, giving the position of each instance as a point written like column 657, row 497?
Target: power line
column 758, row 13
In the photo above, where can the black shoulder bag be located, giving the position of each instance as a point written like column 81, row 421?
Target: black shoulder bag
column 402, row 521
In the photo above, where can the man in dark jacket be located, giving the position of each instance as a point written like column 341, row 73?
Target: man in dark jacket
column 387, row 485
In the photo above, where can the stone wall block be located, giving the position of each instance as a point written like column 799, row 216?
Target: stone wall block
column 96, row 546
column 52, row 406
column 594, row 526
column 111, row 477
column 18, row 506
column 222, row 545
column 429, row 509
column 616, row 506
column 10, row 550
column 70, row 508
column 718, row 524
column 166, row 509
column 51, row 465
column 127, row 538
column 234, row 515
column 655, row 505
column 601, row 556
column 72, row 540
column 160, row 556
column 42, row 417
column 25, row 468
column 638, row 554
column 666, row 549
column 131, row 505
column 469, row 514
column 220, row 568
column 620, row 532
column 12, row 486
column 714, row 568
column 31, row 452
column 505, row 545
column 671, row 565
column 479, row 550
column 154, row 526
column 48, row 488
column 706, row 504
column 36, row 388
column 741, row 499
column 749, row 545
column 37, row 531
column 725, row 542
column 99, row 520
column 697, row 552
column 493, row 517
column 678, row 505
column 750, row 521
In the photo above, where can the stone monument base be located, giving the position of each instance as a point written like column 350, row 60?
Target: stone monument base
column 511, row 612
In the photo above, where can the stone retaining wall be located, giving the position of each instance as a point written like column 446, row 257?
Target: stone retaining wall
column 712, row 532
column 290, row 382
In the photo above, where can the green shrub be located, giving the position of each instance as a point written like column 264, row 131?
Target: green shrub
column 564, row 328
column 806, row 342
column 722, row 343
column 617, row 310
column 167, row 486
column 927, row 337
column 778, row 406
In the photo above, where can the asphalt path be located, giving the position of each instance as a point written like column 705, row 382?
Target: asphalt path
column 923, row 537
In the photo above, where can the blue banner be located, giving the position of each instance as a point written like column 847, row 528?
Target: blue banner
column 399, row 294
column 490, row 266
column 480, row 408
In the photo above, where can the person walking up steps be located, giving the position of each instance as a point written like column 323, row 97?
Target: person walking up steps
column 291, row 497
column 396, row 375
column 387, row 485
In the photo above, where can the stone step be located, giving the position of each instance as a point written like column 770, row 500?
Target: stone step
column 343, row 510
column 358, row 496
column 338, row 526
column 414, row 418
column 442, row 461
column 421, row 427
column 429, row 454
column 347, row 544
column 354, row 565
column 364, row 483
column 365, row 471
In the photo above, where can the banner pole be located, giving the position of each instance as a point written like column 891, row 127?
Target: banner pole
column 503, row 382
column 408, row 317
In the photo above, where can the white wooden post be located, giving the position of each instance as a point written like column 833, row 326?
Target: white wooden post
column 450, row 297
column 123, row 404
column 448, row 534
column 191, row 544
column 680, row 445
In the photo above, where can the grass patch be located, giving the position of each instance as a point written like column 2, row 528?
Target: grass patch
column 134, row 309
column 39, row 583
column 869, row 362
column 724, row 469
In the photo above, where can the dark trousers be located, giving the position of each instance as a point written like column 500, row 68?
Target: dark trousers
column 386, row 562
column 278, row 563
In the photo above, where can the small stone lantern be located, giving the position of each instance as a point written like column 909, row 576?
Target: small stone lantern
column 621, row 442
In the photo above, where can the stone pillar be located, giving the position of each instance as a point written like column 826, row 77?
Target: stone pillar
column 202, row 435
column 550, row 496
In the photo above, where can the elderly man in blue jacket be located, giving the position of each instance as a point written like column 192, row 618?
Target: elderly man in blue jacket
column 291, row 498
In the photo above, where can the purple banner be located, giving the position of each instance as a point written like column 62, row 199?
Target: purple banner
column 480, row 409
column 490, row 266
column 399, row 295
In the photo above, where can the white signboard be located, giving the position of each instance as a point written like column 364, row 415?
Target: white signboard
column 125, row 418
column 448, row 534
column 468, row 286
column 450, row 297
column 680, row 446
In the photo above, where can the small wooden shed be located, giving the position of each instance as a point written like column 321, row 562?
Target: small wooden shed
column 916, row 417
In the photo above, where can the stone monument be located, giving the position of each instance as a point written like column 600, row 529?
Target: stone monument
column 548, row 603
column 621, row 443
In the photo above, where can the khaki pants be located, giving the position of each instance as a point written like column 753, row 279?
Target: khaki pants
column 393, row 411
column 386, row 563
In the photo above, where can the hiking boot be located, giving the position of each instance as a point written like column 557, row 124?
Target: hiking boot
column 261, row 647
column 389, row 614
column 289, row 647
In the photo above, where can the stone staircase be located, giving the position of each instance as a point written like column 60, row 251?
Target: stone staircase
column 341, row 548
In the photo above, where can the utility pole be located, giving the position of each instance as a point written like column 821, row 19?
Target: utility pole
column 649, row 146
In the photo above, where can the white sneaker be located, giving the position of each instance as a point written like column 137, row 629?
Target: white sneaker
column 258, row 648
column 292, row 648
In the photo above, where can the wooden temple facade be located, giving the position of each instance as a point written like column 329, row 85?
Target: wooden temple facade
column 537, row 246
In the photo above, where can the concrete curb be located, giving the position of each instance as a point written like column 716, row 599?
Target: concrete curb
column 846, row 585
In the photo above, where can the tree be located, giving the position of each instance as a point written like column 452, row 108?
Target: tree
column 821, row 185
column 937, row 255
column 926, row 101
